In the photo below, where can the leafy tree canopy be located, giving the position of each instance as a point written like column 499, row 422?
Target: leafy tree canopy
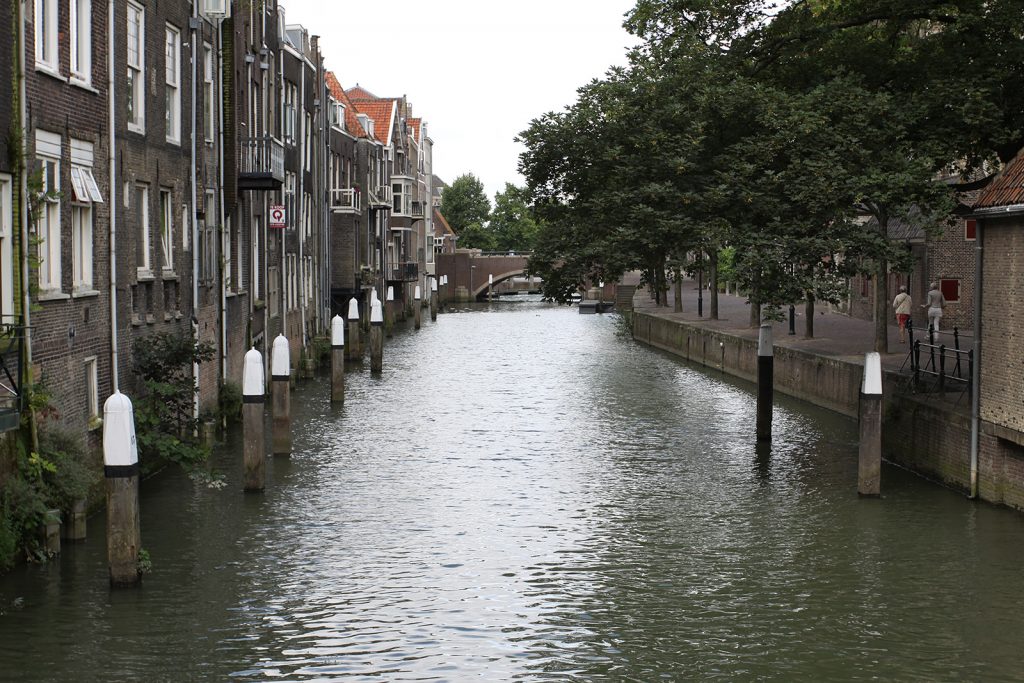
column 465, row 206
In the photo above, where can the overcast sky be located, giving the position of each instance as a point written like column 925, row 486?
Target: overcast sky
column 476, row 70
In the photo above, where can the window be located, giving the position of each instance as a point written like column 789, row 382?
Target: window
column 48, row 149
column 307, row 151
column 6, row 249
column 92, row 390
column 950, row 288
column 254, row 271
column 396, row 198
column 172, row 76
column 338, row 114
column 208, row 104
column 85, row 192
column 970, row 229
column 235, row 230
column 289, row 200
column 166, row 230
column 81, row 40
column 136, row 67
column 46, row 35
column 291, row 94
column 207, row 240
column 142, row 228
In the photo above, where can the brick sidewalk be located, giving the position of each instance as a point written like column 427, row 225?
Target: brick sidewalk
column 835, row 335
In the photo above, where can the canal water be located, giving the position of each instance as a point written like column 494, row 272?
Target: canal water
column 527, row 494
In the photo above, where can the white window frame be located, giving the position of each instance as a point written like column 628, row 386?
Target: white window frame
column 142, row 231
column 167, row 230
column 172, row 79
column 82, row 247
column 81, row 41
column 136, row 59
column 48, row 223
column 92, row 389
column 6, row 245
column 209, row 247
column 46, row 30
column 208, row 93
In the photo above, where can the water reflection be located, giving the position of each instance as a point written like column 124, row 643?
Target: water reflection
column 526, row 495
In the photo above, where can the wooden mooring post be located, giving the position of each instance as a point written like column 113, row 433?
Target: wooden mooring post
column 869, row 462
column 765, row 379
column 355, row 352
column 121, row 471
column 389, row 311
column 417, row 309
column 433, row 298
column 253, row 398
column 280, row 378
column 337, row 359
column 376, row 337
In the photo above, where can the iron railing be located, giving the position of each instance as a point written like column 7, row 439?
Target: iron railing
column 345, row 201
column 406, row 271
column 937, row 367
column 262, row 156
column 12, row 340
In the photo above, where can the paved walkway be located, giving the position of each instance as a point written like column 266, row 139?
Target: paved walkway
column 835, row 334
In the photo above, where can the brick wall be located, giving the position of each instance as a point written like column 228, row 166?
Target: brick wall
column 1002, row 360
column 950, row 256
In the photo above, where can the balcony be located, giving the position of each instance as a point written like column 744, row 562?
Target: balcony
column 407, row 271
column 260, row 164
column 416, row 210
column 345, row 201
column 380, row 197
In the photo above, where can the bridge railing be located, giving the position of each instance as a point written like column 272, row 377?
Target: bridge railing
column 523, row 254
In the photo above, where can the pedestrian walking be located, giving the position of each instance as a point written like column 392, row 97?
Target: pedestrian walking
column 901, row 304
column 934, row 303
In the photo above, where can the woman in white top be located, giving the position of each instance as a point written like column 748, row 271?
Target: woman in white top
column 934, row 303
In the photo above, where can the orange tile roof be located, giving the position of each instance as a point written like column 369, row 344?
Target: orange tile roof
column 360, row 93
column 383, row 114
column 1008, row 187
column 440, row 220
column 351, row 119
column 414, row 128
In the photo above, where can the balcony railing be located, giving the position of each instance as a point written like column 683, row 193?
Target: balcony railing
column 416, row 209
column 406, row 271
column 380, row 198
column 261, row 163
column 345, row 201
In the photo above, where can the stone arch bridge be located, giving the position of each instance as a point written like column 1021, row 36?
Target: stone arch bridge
column 469, row 270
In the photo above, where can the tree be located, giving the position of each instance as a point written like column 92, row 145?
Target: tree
column 465, row 206
column 512, row 221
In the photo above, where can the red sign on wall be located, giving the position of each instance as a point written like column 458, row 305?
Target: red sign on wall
column 277, row 216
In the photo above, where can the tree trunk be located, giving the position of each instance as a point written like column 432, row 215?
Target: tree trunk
column 755, row 315
column 678, row 303
column 882, row 308
column 713, row 276
column 809, row 316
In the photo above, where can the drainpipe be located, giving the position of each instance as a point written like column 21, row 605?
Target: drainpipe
column 976, row 371
column 112, row 170
column 194, row 24
column 219, row 99
column 26, row 299
column 300, row 276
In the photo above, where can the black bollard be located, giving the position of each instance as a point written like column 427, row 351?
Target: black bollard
column 765, row 378
column 417, row 309
column 389, row 311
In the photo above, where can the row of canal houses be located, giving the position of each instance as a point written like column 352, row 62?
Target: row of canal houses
column 191, row 168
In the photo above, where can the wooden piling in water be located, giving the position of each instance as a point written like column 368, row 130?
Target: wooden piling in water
column 376, row 338
column 337, row 359
column 280, row 378
column 765, row 379
column 417, row 309
column 355, row 351
column 433, row 299
column 869, row 460
column 121, row 470
column 389, row 311
column 253, row 399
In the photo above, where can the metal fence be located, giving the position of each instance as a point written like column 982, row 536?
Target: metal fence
column 938, row 364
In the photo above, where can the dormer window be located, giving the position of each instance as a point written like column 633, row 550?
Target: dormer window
column 338, row 114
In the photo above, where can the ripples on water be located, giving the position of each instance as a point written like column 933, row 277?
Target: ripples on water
column 525, row 494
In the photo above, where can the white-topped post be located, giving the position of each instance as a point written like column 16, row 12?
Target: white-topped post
column 281, row 410
column 869, row 465
column 254, row 389
column 442, row 289
column 376, row 337
column 389, row 311
column 337, row 359
column 121, row 470
column 765, row 379
column 490, row 286
column 417, row 313
column 355, row 351
column 433, row 298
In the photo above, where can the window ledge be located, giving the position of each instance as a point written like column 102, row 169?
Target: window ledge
column 84, row 293
column 53, row 295
column 144, row 275
column 150, row 319
column 136, row 320
column 84, row 85
column 136, row 128
column 168, row 274
column 50, row 71
column 174, row 141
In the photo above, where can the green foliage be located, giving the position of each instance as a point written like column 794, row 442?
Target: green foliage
column 229, row 401
column 144, row 562
column 512, row 221
column 465, row 206
column 164, row 421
